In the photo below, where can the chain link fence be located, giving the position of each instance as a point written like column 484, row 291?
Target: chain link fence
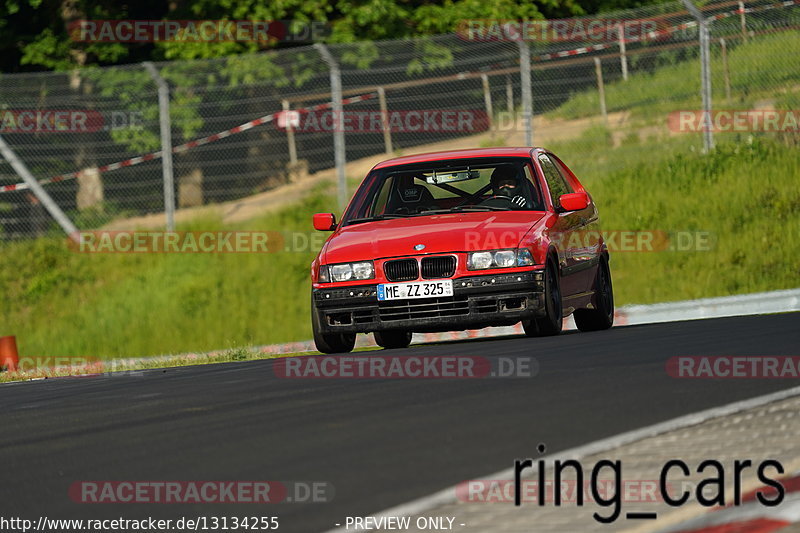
column 242, row 125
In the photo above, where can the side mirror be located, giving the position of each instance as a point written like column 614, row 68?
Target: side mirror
column 324, row 221
column 575, row 201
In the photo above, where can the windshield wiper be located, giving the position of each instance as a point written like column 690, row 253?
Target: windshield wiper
column 458, row 209
column 433, row 212
column 374, row 218
column 479, row 208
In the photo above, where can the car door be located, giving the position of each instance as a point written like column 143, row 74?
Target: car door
column 566, row 233
column 586, row 250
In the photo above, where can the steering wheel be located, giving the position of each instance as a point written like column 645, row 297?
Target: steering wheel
column 500, row 200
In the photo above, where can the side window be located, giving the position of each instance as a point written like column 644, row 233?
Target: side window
column 536, row 201
column 379, row 203
column 555, row 181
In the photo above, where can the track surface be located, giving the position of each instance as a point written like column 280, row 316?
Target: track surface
column 379, row 442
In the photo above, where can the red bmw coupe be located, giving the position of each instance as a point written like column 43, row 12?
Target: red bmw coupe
column 461, row 240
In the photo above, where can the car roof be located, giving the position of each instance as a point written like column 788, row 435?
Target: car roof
column 458, row 154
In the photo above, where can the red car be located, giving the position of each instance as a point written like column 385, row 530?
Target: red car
column 461, row 240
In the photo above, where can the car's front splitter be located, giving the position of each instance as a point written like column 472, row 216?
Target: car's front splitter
column 477, row 302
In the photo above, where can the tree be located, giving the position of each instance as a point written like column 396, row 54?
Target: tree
column 33, row 33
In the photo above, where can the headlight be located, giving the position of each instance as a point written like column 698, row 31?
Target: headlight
column 342, row 272
column 499, row 259
column 324, row 274
column 363, row 270
column 346, row 271
column 479, row 260
column 505, row 258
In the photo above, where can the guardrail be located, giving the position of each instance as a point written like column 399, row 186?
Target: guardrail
column 772, row 302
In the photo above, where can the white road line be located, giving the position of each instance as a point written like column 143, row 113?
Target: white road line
column 788, row 511
column 448, row 495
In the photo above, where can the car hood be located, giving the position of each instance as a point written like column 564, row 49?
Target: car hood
column 457, row 232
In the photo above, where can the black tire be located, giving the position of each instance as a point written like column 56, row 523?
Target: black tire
column 550, row 324
column 602, row 316
column 393, row 339
column 331, row 342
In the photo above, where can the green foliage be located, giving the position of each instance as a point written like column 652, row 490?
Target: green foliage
column 97, row 217
column 444, row 17
column 430, row 56
column 37, row 30
column 362, row 55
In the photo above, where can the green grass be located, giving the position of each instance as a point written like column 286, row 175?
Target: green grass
column 744, row 194
column 59, row 302
column 757, row 68
column 115, row 305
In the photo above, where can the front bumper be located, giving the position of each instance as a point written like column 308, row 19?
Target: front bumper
column 477, row 302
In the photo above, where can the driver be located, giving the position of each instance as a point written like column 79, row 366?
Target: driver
column 506, row 184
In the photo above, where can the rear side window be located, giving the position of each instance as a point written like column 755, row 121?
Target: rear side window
column 555, row 181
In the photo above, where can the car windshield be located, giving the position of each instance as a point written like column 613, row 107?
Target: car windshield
column 431, row 188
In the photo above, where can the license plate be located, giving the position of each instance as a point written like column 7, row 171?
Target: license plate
column 415, row 289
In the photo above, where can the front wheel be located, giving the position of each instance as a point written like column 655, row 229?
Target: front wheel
column 392, row 339
column 550, row 323
column 331, row 342
column 602, row 316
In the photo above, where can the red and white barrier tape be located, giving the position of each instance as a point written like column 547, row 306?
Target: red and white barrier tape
column 186, row 146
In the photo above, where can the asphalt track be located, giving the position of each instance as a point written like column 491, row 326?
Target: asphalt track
column 379, row 442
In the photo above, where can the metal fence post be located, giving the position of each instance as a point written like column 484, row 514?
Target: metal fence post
column 52, row 208
column 166, row 144
column 289, row 132
column 726, row 73
column 705, row 73
column 742, row 21
column 387, row 131
column 601, row 89
column 509, row 96
column 338, row 129
column 623, row 57
column 487, row 99
column 527, row 96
